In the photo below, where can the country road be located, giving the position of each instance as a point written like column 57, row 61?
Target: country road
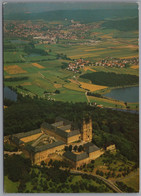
column 108, row 182
column 87, row 98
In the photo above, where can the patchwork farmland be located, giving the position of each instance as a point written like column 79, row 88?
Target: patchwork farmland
column 44, row 63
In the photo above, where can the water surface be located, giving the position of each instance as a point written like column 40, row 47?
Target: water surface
column 9, row 94
column 127, row 94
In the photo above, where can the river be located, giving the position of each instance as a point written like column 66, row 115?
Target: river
column 127, row 94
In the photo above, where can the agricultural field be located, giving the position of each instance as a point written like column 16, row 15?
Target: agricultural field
column 45, row 64
column 91, row 87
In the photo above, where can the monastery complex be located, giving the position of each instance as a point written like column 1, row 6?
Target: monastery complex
column 39, row 144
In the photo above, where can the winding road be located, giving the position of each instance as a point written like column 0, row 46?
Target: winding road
column 108, row 182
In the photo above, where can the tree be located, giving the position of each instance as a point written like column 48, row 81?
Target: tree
column 21, row 187
column 66, row 148
column 75, row 148
column 18, row 169
column 43, row 163
column 92, row 161
column 57, row 92
column 50, row 162
column 70, row 148
column 80, row 148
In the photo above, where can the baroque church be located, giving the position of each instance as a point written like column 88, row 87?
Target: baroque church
column 39, row 144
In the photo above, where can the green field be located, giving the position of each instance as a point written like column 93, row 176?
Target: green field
column 106, row 41
column 132, row 180
column 9, row 186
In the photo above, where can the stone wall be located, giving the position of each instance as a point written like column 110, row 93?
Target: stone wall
column 96, row 154
column 73, row 138
column 43, row 155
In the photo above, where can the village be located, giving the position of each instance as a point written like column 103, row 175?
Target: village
column 45, row 33
column 77, row 64
column 117, row 62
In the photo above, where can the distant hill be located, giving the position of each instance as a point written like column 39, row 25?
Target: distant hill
column 83, row 16
column 130, row 24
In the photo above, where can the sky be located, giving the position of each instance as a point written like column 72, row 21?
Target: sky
column 36, row 7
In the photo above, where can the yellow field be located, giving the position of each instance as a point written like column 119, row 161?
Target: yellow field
column 73, row 86
column 107, row 100
column 94, row 49
column 88, row 68
column 37, row 65
column 135, row 66
column 14, row 69
column 57, row 85
column 73, row 81
column 91, row 87
column 7, row 77
column 26, row 83
column 83, row 55
column 109, row 36
column 128, row 57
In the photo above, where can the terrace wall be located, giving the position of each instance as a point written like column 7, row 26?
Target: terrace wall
column 96, row 154
column 43, row 155
column 74, row 138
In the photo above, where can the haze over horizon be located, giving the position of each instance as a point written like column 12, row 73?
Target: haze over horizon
column 37, row 7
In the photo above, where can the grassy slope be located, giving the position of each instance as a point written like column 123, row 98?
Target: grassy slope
column 9, row 186
column 132, row 180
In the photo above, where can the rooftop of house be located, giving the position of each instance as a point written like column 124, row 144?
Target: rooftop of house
column 75, row 157
column 90, row 147
column 60, row 131
column 16, row 140
column 66, row 122
column 58, row 124
column 26, row 134
column 43, row 147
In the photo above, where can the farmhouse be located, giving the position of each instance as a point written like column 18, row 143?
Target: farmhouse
column 39, row 144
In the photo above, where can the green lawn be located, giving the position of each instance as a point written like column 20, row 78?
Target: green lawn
column 132, row 180
column 9, row 186
column 11, row 57
column 67, row 95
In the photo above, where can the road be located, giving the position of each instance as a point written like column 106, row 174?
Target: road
column 87, row 98
column 108, row 182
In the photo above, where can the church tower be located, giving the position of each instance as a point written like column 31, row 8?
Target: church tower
column 87, row 130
